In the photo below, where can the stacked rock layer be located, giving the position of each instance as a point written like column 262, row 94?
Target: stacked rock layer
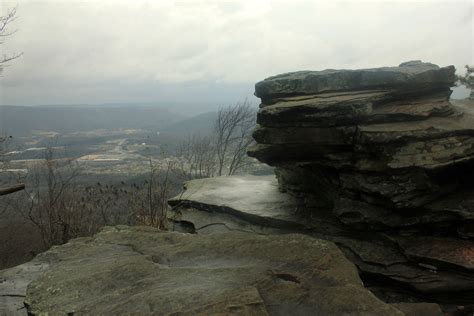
column 386, row 152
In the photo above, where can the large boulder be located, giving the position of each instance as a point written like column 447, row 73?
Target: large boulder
column 386, row 135
column 383, row 153
column 140, row 270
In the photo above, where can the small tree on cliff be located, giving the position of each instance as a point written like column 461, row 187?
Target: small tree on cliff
column 233, row 132
column 197, row 157
column 5, row 22
column 5, row 31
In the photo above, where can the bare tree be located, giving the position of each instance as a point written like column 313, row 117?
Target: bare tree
column 12, row 189
column 148, row 204
column 233, row 132
column 5, row 31
column 3, row 165
column 53, row 201
column 197, row 158
column 106, row 201
column 5, row 22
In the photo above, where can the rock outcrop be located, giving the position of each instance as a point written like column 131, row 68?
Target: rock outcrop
column 378, row 161
column 386, row 136
column 144, row 271
column 383, row 151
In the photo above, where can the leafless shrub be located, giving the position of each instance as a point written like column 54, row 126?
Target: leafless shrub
column 53, row 201
column 107, row 202
column 224, row 152
column 5, row 31
column 233, row 133
column 10, row 188
column 196, row 157
column 148, row 203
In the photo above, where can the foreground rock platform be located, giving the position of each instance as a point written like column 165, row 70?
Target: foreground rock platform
column 140, row 270
column 395, row 264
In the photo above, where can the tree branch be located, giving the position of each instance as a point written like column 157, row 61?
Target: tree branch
column 12, row 189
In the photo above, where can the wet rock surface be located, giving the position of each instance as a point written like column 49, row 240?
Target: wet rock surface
column 139, row 270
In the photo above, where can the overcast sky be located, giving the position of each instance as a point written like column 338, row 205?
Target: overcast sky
column 107, row 51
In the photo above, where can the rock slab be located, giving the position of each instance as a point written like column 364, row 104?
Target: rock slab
column 141, row 270
column 408, row 75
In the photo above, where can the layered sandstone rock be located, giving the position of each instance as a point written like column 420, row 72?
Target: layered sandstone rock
column 386, row 136
column 377, row 160
column 383, row 151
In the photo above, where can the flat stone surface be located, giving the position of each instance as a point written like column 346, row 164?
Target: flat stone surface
column 407, row 75
column 254, row 197
column 139, row 270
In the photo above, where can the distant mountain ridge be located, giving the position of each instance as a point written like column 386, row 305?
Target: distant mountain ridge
column 20, row 120
column 202, row 124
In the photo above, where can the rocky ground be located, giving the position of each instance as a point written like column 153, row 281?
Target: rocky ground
column 140, row 270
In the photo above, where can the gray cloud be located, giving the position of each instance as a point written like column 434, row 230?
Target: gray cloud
column 108, row 51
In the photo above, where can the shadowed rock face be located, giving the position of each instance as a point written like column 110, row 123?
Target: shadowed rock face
column 378, row 136
column 143, row 271
column 387, row 153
